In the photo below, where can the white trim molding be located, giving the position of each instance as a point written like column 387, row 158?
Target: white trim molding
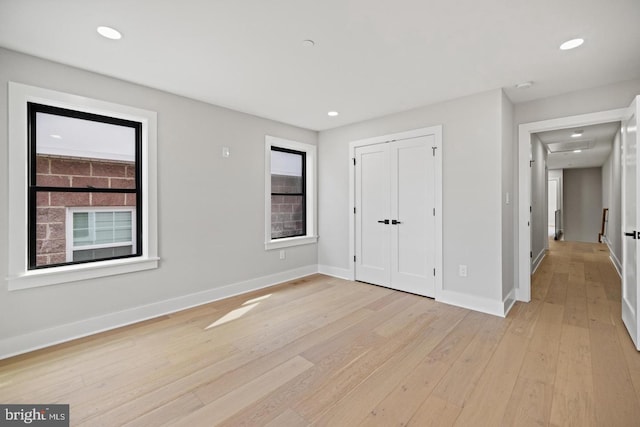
column 19, row 276
column 508, row 302
column 473, row 302
column 340, row 273
column 538, row 260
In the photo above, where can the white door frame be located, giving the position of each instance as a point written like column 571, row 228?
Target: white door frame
column 523, row 291
column 436, row 131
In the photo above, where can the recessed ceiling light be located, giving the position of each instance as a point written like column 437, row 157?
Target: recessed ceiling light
column 524, row 85
column 571, row 44
column 332, row 113
column 110, row 33
column 577, row 151
column 54, row 136
column 308, row 43
column 576, row 134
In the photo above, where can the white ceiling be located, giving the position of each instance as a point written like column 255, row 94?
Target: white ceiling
column 595, row 145
column 371, row 57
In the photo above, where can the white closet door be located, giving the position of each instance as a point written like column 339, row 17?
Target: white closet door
column 372, row 211
column 412, row 203
column 395, row 224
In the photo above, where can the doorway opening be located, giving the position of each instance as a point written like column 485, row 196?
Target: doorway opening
column 527, row 134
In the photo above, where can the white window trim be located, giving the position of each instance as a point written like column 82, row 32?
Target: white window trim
column 69, row 229
column 311, row 194
column 20, row 277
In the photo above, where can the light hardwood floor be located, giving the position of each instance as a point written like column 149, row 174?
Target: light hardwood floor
column 323, row 351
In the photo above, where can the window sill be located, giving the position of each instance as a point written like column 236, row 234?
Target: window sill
column 290, row 241
column 74, row 273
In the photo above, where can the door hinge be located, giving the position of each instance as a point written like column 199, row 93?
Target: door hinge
column 434, row 151
column 530, row 209
column 434, row 272
column 354, row 161
column 354, row 258
column 530, row 254
column 354, row 209
column 434, row 211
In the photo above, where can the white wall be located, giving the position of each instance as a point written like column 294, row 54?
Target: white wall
column 472, row 189
column 582, row 204
column 611, row 199
column 509, row 208
column 539, row 215
column 610, row 97
column 211, row 210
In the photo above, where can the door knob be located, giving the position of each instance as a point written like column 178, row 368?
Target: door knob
column 384, row 221
column 394, row 222
column 632, row 234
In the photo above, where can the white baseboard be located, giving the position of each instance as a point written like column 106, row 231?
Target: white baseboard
column 58, row 334
column 537, row 261
column 612, row 256
column 484, row 305
column 340, row 273
column 508, row 302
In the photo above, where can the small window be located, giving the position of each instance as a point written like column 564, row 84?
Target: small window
column 86, row 161
column 290, row 193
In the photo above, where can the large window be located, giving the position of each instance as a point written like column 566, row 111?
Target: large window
column 82, row 188
column 290, row 191
column 85, row 164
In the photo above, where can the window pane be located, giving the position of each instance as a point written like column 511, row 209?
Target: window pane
column 122, row 219
column 286, row 184
column 102, row 253
column 103, row 236
column 122, row 235
column 287, row 216
column 287, row 172
column 73, row 152
column 81, row 232
column 87, row 228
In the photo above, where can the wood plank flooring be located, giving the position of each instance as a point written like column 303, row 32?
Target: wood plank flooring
column 328, row 352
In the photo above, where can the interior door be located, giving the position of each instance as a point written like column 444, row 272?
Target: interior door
column 412, row 176
column 630, row 187
column 395, row 223
column 373, row 213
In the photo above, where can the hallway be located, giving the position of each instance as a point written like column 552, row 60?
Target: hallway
column 576, row 293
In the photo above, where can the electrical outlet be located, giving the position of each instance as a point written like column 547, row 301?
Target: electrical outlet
column 462, row 270
column 283, row 255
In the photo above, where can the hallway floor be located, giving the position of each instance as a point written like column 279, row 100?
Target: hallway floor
column 576, row 292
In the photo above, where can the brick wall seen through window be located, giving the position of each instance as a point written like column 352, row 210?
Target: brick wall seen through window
column 67, row 172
